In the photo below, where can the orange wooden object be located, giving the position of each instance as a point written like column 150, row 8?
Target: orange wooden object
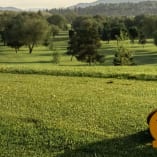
column 152, row 121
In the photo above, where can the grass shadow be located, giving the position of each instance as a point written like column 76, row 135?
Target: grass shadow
column 25, row 62
column 146, row 58
column 135, row 145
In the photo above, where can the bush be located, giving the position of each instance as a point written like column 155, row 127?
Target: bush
column 123, row 55
column 100, row 58
column 56, row 57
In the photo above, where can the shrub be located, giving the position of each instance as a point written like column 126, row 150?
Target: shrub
column 56, row 57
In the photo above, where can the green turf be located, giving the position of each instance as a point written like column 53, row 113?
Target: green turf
column 43, row 56
column 76, row 110
column 45, row 115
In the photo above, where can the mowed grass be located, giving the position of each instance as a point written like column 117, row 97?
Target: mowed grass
column 40, row 61
column 75, row 110
column 65, row 116
column 42, row 56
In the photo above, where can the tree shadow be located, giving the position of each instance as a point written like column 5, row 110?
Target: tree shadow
column 60, row 39
column 136, row 145
column 144, row 57
column 42, row 62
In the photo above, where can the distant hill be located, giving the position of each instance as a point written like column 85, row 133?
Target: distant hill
column 84, row 5
column 9, row 9
column 119, row 9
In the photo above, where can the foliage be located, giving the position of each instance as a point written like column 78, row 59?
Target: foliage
column 155, row 38
column 142, row 39
column 86, row 40
column 55, row 57
column 5, row 18
column 14, row 33
column 115, row 9
column 123, row 56
column 58, row 20
column 106, row 33
column 54, row 30
column 25, row 29
column 72, row 44
column 35, row 30
column 133, row 33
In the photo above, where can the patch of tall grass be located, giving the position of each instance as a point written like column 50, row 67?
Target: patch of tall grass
column 135, row 73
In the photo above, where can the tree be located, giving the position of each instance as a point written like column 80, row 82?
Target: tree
column 26, row 29
column 86, row 40
column 142, row 39
column 133, row 33
column 57, row 20
column 106, row 34
column 14, row 34
column 155, row 38
column 55, row 57
column 72, row 44
column 54, row 30
column 123, row 55
column 35, row 30
column 115, row 31
column 4, row 20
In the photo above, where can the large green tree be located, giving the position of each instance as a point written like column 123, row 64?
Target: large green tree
column 14, row 32
column 58, row 20
column 106, row 33
column 27, row 29
column 36, row 29
column 72, row 44
column 142, row 38
column 85, row 40
column 133, row 33
column 5, row 18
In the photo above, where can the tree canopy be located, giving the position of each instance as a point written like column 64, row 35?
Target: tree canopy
column 26, row 29
column 84, row 40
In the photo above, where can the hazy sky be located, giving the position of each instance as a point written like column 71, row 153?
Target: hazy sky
column 41, row 3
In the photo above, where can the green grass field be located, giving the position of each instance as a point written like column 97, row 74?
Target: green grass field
column 76, row 110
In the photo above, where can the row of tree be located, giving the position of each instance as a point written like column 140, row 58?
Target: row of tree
column 112, row 9
column 29, row 29
column 87, row 32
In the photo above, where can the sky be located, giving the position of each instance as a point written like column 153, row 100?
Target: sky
column 25, row 4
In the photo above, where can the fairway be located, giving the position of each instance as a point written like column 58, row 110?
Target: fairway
column 78, row 80
column 72, row 109
column 47, row 116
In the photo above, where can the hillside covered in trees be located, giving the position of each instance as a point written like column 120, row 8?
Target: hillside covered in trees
column 115, row 9
column 84, row 5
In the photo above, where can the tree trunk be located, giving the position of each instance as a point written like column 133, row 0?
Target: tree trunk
column 71, row 58
column 90, row 60
column 4, row 43
column 117, row 42
column 31, row 48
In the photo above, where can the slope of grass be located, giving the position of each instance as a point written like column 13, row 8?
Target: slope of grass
column 48, row 116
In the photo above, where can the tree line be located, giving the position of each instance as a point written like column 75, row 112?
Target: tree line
column 29, row 29
column 114, row 9
column 85, row 33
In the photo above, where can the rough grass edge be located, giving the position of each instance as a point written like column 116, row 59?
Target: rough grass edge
column 71, row 73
